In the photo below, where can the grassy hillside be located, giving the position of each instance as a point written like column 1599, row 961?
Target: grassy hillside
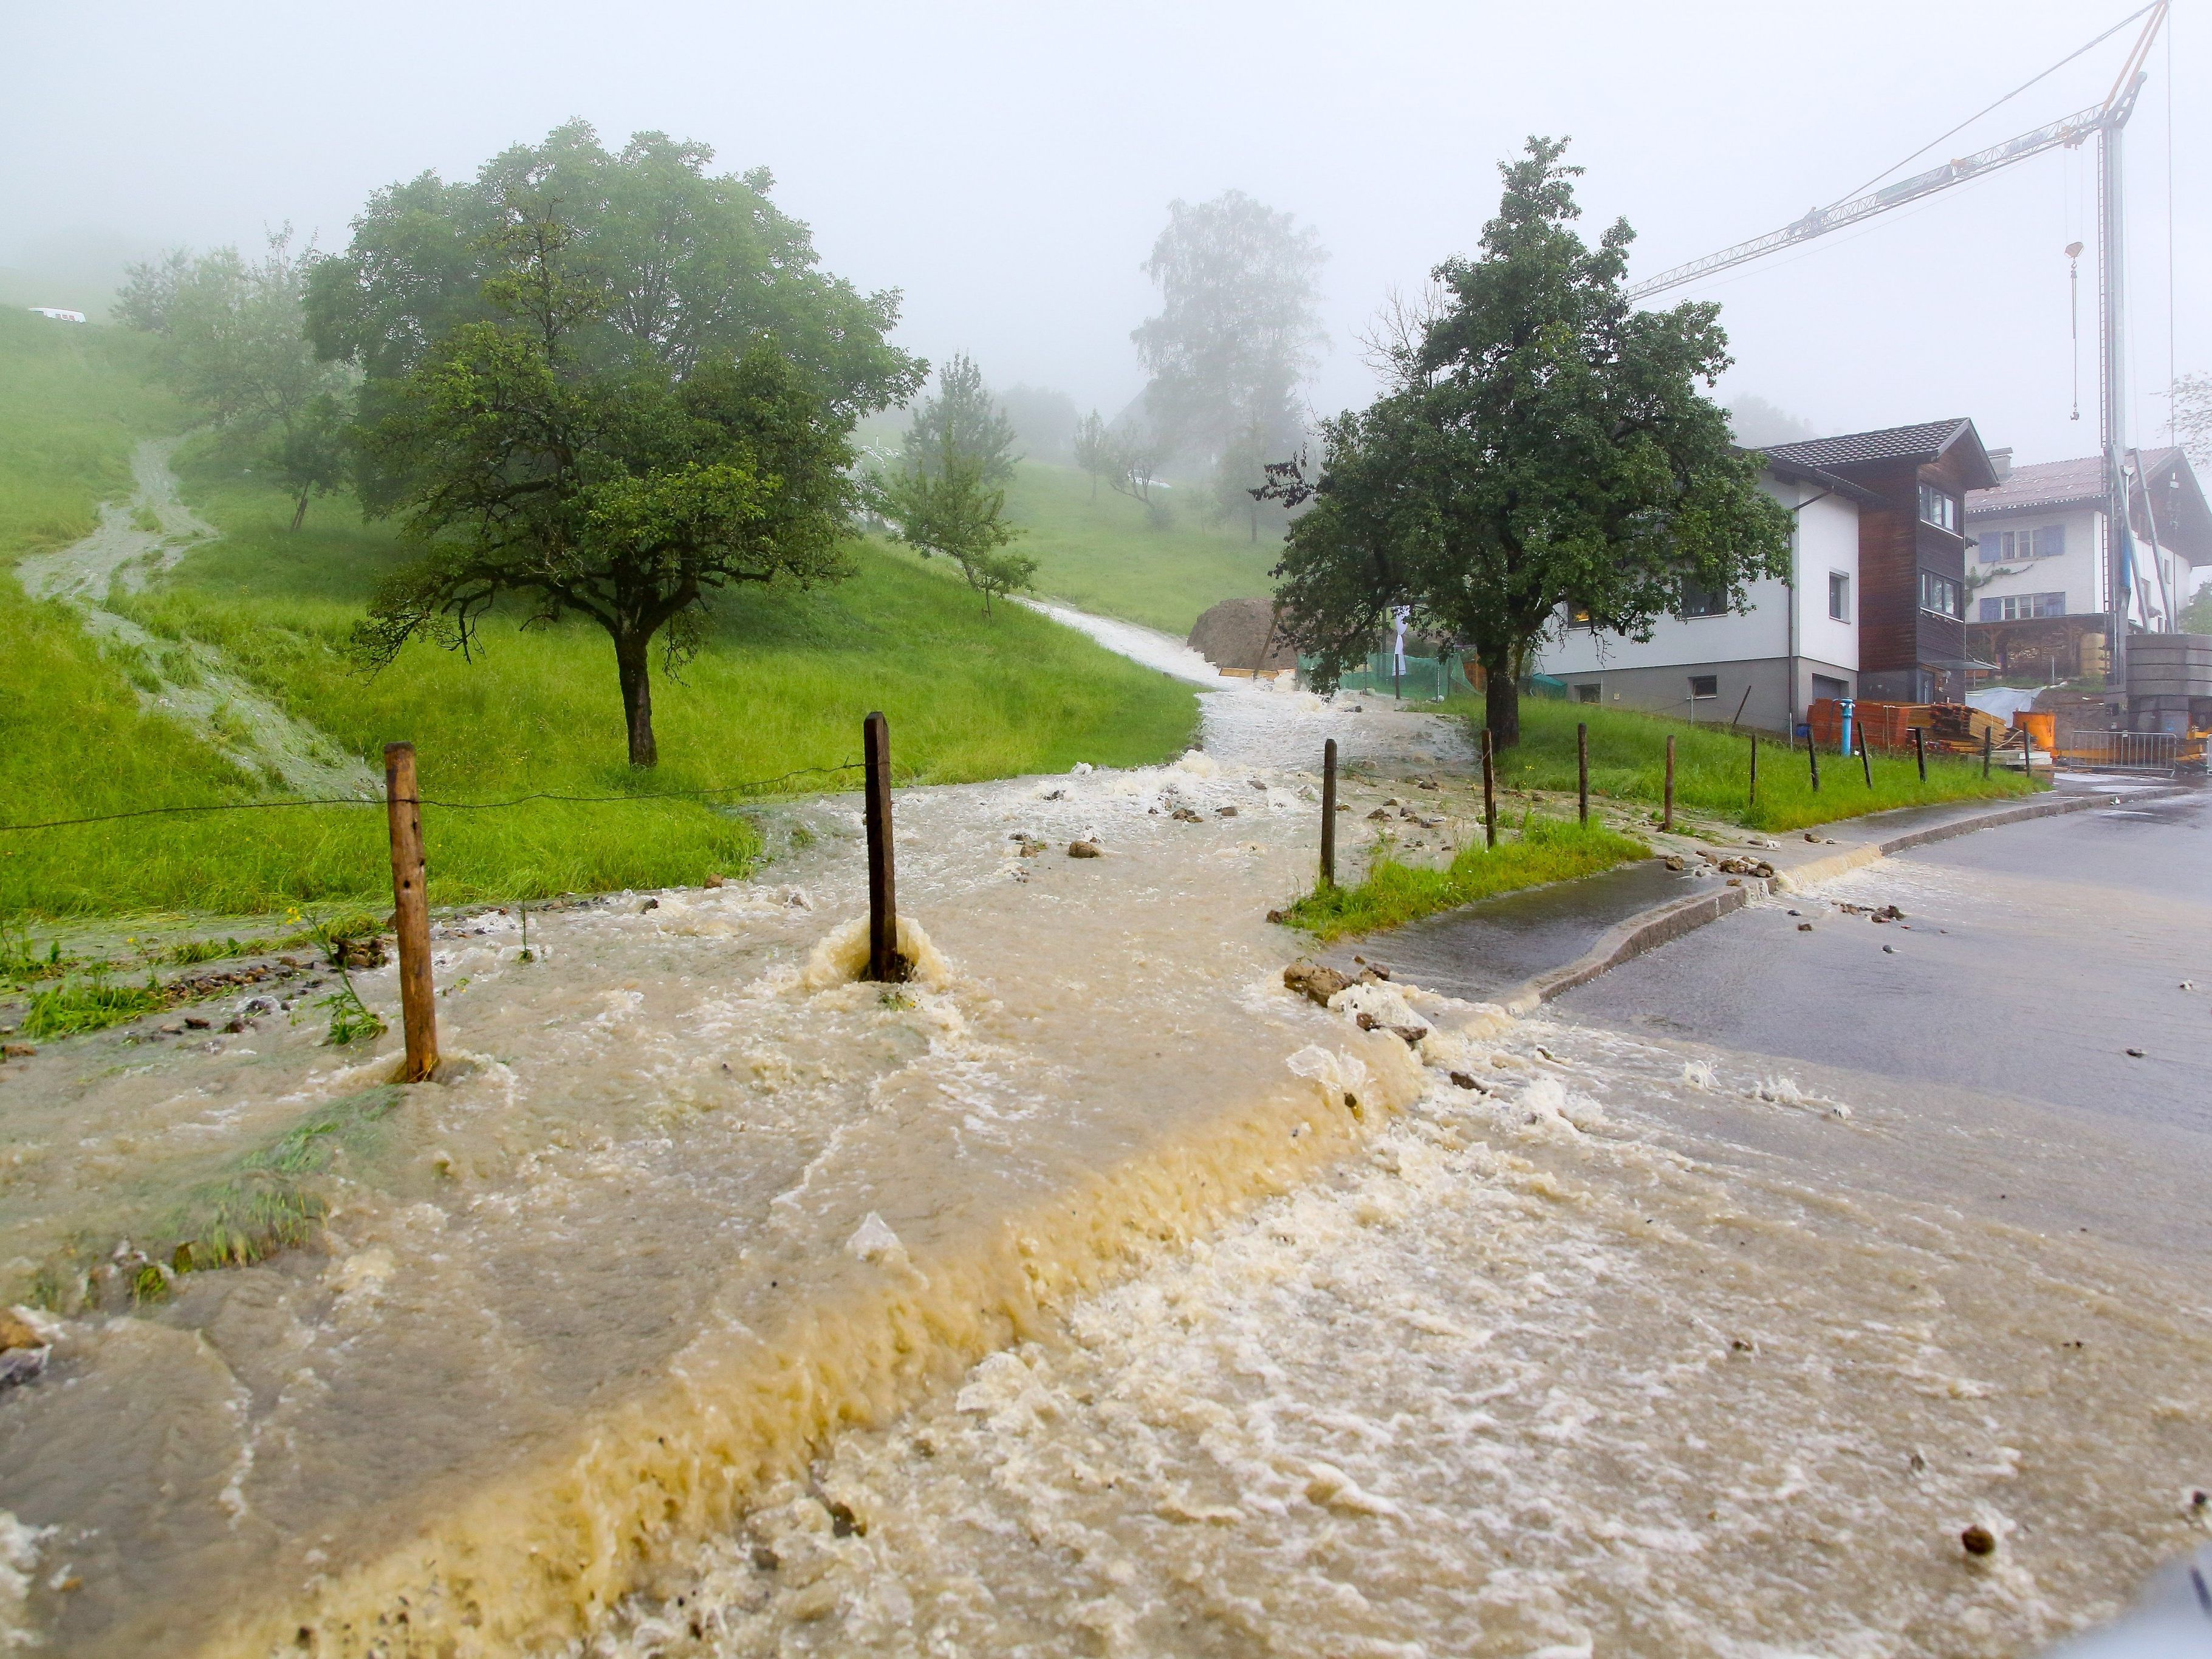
column 1712, row 768
column 1104, row 556
column 73, row 404
column 783, row 685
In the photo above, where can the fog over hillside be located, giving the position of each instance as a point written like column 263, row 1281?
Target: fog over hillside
column 1008, row 168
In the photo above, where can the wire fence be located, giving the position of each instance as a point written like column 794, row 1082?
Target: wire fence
column 751, row 785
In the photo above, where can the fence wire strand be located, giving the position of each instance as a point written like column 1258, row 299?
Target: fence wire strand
column 747, row 786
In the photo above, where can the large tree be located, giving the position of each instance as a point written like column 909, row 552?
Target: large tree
column 1546, row 450
column 1237, row 332
column 234, row 345
column 609, row 385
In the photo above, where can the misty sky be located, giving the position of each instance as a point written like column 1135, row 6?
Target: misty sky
column 1007, row 167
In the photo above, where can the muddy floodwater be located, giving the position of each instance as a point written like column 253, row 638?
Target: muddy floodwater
column 1091, row 1293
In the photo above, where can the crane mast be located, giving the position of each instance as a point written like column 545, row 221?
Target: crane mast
column 2106, row 122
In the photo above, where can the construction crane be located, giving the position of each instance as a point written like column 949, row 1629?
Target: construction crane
column 2104, row 122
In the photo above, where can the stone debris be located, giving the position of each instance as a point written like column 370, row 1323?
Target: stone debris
column 1313, row 981
column 1741, row 867
column 1409, row 1034
column 1184, row 815
column 1084, row 849
column 1380, row 812
column 1225, row 811
column 358, row 952
column 713, row 880
column 16, row 1051
column 1977, row 1541
column 1804, row 926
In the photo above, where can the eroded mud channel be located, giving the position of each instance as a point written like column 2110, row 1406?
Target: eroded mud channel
column 1093, row 1293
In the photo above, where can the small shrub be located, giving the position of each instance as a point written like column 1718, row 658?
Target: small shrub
column 352, row 1020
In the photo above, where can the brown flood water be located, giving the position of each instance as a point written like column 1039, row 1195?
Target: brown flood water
column 1065, row 1304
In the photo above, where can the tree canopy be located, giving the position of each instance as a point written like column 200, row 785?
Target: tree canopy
column 609, row 385
column 1546, row 451
column 1237, row 333
column 964, row 418
column 233, row 346
column 947, row 495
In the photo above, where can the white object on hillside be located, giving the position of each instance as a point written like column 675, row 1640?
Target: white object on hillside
column 58, row 314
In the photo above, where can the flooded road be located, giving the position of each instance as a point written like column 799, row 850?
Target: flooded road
column 1090, row 1294
column 1645, row 1342
column 698, row 1200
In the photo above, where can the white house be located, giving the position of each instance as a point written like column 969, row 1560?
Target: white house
column 2039, row 557
column 1798, row 642
column 58, row 314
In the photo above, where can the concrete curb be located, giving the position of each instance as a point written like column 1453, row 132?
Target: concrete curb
column 1627, row 940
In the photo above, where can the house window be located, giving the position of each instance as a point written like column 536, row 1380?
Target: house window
column 1588, row 693
column 1939, row 594
column 1704, row 685
column 1939, row 508
column 1699, row 600
column 1578, row 616
column 2021, row 607
column 1839, row 595
column 2045, row 541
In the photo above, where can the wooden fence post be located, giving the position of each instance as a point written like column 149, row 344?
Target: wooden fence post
column 1329, row 813
column 1489, row 791
column 884, row 961
column 1812, row 756
column 2027, row 755
column 1985, row 751
column 1582, row 769
column 1866, row 757
column 1668, row 821
column 1920, row 751
column 410, row 913
column 1755, row 769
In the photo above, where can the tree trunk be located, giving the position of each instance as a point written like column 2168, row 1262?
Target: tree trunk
column 1501, row 701
column 632, row 652
column 300, row 513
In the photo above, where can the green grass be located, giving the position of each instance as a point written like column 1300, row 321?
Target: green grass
column 1103, row 556
column 1393, row 894
column 1712, row 768
column 74, row 403
column 91, row 1004
column 783, row 686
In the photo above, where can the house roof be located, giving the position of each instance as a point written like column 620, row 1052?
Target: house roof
column 1924, row 441
column 1820, row 477
column 2045, row 483
column 2176, row 498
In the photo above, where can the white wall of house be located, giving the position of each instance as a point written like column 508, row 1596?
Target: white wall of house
column 2074, row 578
column 2067, row 573
column 1826, row 543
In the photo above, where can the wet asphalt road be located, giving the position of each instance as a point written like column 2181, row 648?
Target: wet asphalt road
column 2032, row 957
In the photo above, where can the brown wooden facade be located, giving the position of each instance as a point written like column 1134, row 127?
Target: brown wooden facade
column 1908, row 652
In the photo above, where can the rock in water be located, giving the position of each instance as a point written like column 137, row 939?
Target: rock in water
column 1310, row 979
column 1083, row 849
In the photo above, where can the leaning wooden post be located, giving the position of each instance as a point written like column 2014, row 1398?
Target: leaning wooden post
column 1489, row 790
column 1582, row 769
column 1329, row 813
column 1813, row 758
column 2027, row 755
column 1985, row 751
column 884, row 961
column 410, row 913
column 1667, row 821
column 1755, row 769
column 1866, row 757
column 1920, row 751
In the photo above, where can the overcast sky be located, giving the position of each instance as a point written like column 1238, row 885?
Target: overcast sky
column 1008, row 165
